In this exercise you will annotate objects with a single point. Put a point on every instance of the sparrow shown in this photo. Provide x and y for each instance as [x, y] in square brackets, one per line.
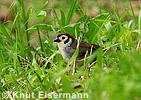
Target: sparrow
[68, 44]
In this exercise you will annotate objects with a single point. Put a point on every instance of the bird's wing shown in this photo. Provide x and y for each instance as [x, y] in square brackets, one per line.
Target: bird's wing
[88, 46]
[84, 47]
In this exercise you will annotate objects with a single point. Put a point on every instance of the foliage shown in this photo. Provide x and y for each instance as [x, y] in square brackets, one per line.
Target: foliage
[115, 76]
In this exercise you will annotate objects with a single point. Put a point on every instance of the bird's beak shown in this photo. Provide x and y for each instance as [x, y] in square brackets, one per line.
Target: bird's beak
[57, 40]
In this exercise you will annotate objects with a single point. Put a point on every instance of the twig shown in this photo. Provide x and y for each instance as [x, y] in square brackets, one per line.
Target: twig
[85, 57]
[53, 29]
[138, 45]
[91, 50]
[89, 66]
[73, 67]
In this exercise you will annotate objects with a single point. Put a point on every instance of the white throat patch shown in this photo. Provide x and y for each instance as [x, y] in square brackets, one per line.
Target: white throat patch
[62, 47]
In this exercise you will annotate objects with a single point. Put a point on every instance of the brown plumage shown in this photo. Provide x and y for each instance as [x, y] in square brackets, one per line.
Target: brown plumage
[67, 45]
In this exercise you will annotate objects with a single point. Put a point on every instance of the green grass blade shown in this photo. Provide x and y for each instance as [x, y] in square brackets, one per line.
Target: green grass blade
[52, 15]
[135, 18]
[71, 12]
[6, 34]
[74, 55]
[44, 5]
[41, 27]
[37, 69]
[62, 18]
[40, 41]
[24, 20]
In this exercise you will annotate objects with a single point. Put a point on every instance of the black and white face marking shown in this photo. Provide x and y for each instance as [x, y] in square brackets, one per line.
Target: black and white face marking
[63, 38]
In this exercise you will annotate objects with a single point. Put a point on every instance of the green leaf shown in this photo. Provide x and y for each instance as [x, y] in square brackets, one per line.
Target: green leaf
[90, 59]
[62, 18]
[40, 41]
[9, 78]
[1, 42]
[42, 15]
[4, 33]
[71, 12]
[71, 29]
[42, 27]
[58, 20]
[135, 18]
[104, 9]
[100, 58]
[66, 84]
[29, 49]
[95, 26]
[37, 69]
[60, 73]
[44, 5]
[52, 15]
[74, 56]
[28, 13]
[24, 18]
[110, 32]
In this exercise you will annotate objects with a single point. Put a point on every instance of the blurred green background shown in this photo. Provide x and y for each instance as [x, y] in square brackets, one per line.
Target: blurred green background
[92, 7]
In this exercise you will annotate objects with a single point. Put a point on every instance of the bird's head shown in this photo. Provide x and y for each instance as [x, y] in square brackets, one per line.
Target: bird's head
[64, 39]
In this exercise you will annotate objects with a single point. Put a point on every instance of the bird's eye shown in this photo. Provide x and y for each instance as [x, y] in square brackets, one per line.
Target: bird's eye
[63, 37]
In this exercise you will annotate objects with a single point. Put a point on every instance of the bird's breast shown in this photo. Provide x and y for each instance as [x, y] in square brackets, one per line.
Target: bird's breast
[66, 52]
